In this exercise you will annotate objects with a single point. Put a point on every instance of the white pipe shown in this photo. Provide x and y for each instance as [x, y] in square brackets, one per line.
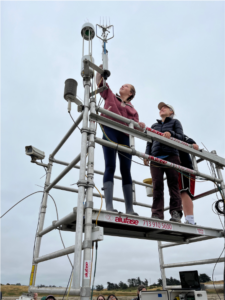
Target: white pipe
[194, 263]
[41, 224]
[54, 291]
[63, 173]
[81, 191]
[77, 122]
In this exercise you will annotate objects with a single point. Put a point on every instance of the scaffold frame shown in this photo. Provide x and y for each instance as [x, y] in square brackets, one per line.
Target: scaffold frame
[82, 218]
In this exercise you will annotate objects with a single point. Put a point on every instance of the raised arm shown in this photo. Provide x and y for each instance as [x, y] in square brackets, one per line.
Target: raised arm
[99, 82]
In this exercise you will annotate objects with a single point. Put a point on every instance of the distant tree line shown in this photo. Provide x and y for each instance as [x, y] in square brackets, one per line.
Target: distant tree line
[172, 281]
[132, 282]
[12, 284]
[42, 285]
[135, 282]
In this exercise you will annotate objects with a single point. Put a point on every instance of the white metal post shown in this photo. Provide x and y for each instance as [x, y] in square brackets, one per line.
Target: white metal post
[81, 189]
[132, 142]
[220, 176]
[194, 162]
[161, 264]
[40, 227]
[88, 210]
[134, 192]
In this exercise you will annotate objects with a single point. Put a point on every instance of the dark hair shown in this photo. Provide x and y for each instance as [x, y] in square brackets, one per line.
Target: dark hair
[133, 92]
[101, 296]
[140, 288]
[112, 295]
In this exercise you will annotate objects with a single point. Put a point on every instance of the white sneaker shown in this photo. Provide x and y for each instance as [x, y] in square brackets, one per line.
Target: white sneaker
[188, 223]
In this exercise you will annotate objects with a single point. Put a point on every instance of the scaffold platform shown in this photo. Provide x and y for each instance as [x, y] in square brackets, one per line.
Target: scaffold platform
[124, 225]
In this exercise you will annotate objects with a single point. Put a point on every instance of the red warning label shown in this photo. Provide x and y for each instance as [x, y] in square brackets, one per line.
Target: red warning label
[87, 269]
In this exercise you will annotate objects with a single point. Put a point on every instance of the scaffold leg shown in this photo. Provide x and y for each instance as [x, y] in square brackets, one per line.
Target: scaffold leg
[41, 218]
[81, 190]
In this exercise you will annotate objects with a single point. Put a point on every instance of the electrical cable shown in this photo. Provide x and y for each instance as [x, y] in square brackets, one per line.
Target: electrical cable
[215, 212]
[39, 219]
[19, 202]
[69, 287]
[60, 230]
[91, 261]
[214, 270]
[74, 121]
[68, 282]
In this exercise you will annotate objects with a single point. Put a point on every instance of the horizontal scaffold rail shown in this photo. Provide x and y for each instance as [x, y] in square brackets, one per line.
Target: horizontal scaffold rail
[149, 136]
[188, 241]
[136, 125]
[123, 225]
[53, 291]
[210, 192]
[194, 263]
[132, 151]
[68, 189]
[60, 162]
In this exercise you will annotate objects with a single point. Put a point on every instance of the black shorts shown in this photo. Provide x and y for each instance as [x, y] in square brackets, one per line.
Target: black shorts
[187, 184]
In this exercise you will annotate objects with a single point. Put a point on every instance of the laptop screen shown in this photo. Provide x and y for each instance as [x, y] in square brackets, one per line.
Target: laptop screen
[190, 279]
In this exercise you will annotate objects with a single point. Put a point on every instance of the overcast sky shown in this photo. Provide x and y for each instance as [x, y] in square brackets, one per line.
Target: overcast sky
[171, 52]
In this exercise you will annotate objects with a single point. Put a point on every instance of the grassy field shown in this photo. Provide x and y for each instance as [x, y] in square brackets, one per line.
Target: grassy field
[16, 291]
[13, 290]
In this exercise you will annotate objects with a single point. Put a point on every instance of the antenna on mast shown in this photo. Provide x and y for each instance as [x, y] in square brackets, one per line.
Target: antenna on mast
[104, 37]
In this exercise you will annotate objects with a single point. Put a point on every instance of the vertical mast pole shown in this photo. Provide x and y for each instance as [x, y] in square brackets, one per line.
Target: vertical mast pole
[81, 189]
[88, 209]
[220, 176]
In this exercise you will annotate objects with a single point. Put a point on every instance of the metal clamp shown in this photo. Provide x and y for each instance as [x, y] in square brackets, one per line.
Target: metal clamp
[80, 108]
[88, 204]
[82, 183]
[87, 244]
[85, 183]
[133, 151]
[89, 131]
[92, 100]
[91, 144]
[85, 292]
[88, 224]
[53, 223]
[222, 233]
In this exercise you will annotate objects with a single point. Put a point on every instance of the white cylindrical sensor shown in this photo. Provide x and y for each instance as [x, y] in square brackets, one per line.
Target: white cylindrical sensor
[88, 31]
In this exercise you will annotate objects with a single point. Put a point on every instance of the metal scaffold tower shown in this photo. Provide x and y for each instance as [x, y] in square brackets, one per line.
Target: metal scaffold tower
[82, 219]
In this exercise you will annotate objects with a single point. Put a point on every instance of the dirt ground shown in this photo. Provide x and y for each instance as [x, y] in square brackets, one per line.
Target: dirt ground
[210, 297]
